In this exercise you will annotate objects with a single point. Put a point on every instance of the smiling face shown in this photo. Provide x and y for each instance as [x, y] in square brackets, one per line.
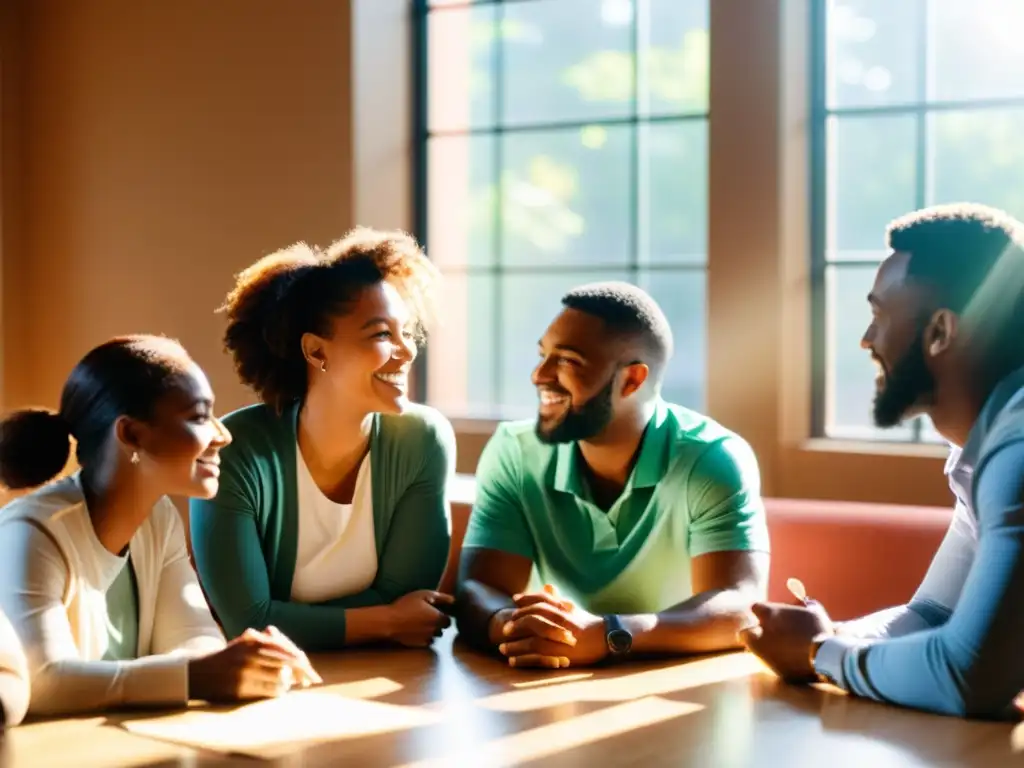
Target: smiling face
[578, 378]
[179, 445]
[367, 359]
[897, 338]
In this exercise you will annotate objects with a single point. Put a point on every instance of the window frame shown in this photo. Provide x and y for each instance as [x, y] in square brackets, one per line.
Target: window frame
[636, 119]
[761, 64]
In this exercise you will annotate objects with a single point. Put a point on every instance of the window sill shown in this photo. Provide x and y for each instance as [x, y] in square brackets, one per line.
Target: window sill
[883, 473]
[828, 445]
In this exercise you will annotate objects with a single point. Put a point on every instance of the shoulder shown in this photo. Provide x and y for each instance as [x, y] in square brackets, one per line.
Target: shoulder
[998, 479]
[698, 443]
[518, 438]
[259, 437]
[514, 447]
[47, 525]
[419, 427]
[53, 505]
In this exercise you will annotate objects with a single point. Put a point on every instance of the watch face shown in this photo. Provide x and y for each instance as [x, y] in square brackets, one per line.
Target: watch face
[619, 641]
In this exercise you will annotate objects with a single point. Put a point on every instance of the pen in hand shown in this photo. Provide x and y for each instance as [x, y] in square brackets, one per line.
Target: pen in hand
[796, 588]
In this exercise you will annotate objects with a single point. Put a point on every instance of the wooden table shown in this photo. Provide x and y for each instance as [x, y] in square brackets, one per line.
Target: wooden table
[452, 707]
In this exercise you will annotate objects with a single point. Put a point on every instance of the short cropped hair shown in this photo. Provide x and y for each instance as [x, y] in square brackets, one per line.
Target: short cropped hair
[628, 311]
[972, 258]
[300, 289]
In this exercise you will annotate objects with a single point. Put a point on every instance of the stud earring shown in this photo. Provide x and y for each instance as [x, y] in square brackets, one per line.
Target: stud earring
[135, 457]
[323, 366]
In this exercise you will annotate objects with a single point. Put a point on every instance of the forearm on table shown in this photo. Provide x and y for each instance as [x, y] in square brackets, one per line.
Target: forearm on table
[478, 605]
[71, 686]
[368, 625]
[706, 622]
[314, 628]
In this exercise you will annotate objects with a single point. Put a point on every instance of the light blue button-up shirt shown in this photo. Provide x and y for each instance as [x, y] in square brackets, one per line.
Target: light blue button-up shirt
[958, 646]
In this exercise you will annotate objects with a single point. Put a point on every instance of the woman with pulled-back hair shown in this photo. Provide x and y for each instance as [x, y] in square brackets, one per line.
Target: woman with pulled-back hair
[332, 517]
[94, 571]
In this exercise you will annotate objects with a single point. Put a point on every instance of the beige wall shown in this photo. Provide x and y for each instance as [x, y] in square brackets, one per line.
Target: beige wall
[151, 150]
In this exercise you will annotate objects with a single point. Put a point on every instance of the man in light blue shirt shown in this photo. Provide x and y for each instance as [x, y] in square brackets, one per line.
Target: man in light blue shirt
[947, 334]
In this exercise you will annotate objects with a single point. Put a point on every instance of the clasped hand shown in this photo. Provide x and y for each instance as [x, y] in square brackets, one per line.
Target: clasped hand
[784, 636]
[544, 630]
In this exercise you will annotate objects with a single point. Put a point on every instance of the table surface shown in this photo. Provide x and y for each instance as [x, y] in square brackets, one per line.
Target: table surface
[450, 706]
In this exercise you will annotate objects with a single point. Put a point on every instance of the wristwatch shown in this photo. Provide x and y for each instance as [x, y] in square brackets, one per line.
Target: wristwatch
[618, 639]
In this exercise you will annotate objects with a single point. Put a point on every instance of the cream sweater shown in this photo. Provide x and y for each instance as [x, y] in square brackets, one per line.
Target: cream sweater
[13, 675]
[54, 574]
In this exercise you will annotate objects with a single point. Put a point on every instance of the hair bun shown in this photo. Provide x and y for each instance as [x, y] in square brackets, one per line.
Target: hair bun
[35, 444]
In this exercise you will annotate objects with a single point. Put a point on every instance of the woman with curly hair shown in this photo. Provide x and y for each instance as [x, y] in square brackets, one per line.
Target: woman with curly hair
[332, 519]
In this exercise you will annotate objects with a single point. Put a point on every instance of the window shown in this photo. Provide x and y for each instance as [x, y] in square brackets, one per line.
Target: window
[916, 102]
[561, 142]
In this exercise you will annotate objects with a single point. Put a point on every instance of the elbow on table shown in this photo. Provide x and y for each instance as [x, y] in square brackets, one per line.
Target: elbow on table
[973, 690]
[979, 703]
[47, 694]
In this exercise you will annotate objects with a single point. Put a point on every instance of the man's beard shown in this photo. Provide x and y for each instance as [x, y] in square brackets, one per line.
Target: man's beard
[583, 422]
[907, 387]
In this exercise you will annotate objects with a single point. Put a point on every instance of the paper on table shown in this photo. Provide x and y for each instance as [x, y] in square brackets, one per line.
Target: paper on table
[274, 727]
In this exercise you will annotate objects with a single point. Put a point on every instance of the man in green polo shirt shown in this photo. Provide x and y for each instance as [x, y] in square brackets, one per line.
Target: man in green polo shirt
[643, 519]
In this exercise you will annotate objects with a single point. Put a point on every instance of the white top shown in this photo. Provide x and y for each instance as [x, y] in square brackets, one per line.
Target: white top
[54, 573]
[337, 552]
[13, 675]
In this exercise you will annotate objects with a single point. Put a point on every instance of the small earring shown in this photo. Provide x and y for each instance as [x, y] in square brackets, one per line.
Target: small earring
[135, 457]
[323, 366]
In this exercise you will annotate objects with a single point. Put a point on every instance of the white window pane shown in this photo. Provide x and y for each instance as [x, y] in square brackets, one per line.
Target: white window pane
[461, 200]
[682, 297]
[674, 186]
[566, 196]
[460, 52]
[872, 169]
[975, 49]
[569, 60]
[873, 52]
[460, 352]
[978, 157]
[674, 56]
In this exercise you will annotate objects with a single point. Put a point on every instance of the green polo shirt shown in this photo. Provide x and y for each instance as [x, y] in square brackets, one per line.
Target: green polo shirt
[695, 489]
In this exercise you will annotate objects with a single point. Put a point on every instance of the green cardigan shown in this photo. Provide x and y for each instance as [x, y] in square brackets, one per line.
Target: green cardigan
[245, 539]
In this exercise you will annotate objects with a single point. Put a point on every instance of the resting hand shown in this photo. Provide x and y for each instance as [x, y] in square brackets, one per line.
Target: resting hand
[784, 636]
[417, 618]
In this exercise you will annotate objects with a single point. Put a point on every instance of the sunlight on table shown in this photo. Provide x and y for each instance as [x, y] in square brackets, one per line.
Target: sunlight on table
[564, 735]
[276, 726]
[625, 687]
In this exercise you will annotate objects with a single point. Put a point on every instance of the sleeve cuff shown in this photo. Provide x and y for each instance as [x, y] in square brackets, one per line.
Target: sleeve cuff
[828, 661]
[158, 680]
